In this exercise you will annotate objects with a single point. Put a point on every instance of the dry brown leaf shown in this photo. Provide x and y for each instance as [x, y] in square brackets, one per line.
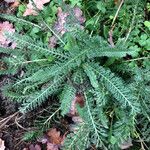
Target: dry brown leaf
[51, 146]
[2, 146]
[55, 136]
[56, 140]
[60, 24]
[126, 144]
[79, 99]
[116, 2]
[43, 140]
[9, 1]
[79, 15]
[6, 27]
[15, 4]
[77, 119]
[31, 10]
[36, 147]
[25, 149]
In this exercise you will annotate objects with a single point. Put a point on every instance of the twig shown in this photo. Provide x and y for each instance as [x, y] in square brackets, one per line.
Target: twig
[95, 23]
[117, 13]
[5, 121]
[110, 39]
[52, 115]
[141, 140]
[19, 143]
[32, 61]
[20, 126]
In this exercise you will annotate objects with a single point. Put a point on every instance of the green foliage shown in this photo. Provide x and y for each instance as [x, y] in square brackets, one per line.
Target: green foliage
[144, 41]
[28, 136]
[37, 84]
[76, 3]
[67, 96]
[115, 89]
[73, 142]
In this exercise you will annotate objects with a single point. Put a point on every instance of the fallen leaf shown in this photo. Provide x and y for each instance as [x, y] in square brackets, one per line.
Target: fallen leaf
[116, 2]
[51, 146]
[9, 1]
[126, 144]
[55, 137]
[77, 119]
[15, 4]
[73, 110]
[78, 14]
[52, 42]
[60, 25]
[6, 27]
[79, 99]
[73, 128]
[2, 146]
[31, 10]
[43, 140]
[36, 147]
[61, 21]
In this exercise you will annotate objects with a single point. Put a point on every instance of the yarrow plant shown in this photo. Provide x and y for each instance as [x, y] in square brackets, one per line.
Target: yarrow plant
[89, 77]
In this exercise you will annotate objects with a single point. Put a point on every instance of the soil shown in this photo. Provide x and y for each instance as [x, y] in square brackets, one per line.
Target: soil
[8, 130]
[13, 125]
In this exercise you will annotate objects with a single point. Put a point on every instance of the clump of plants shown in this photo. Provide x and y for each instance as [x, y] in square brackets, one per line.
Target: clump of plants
[89, 57]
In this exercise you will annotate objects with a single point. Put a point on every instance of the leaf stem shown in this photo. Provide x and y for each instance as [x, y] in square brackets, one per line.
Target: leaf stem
[58, 37]
[136, 59]
[117, 13]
